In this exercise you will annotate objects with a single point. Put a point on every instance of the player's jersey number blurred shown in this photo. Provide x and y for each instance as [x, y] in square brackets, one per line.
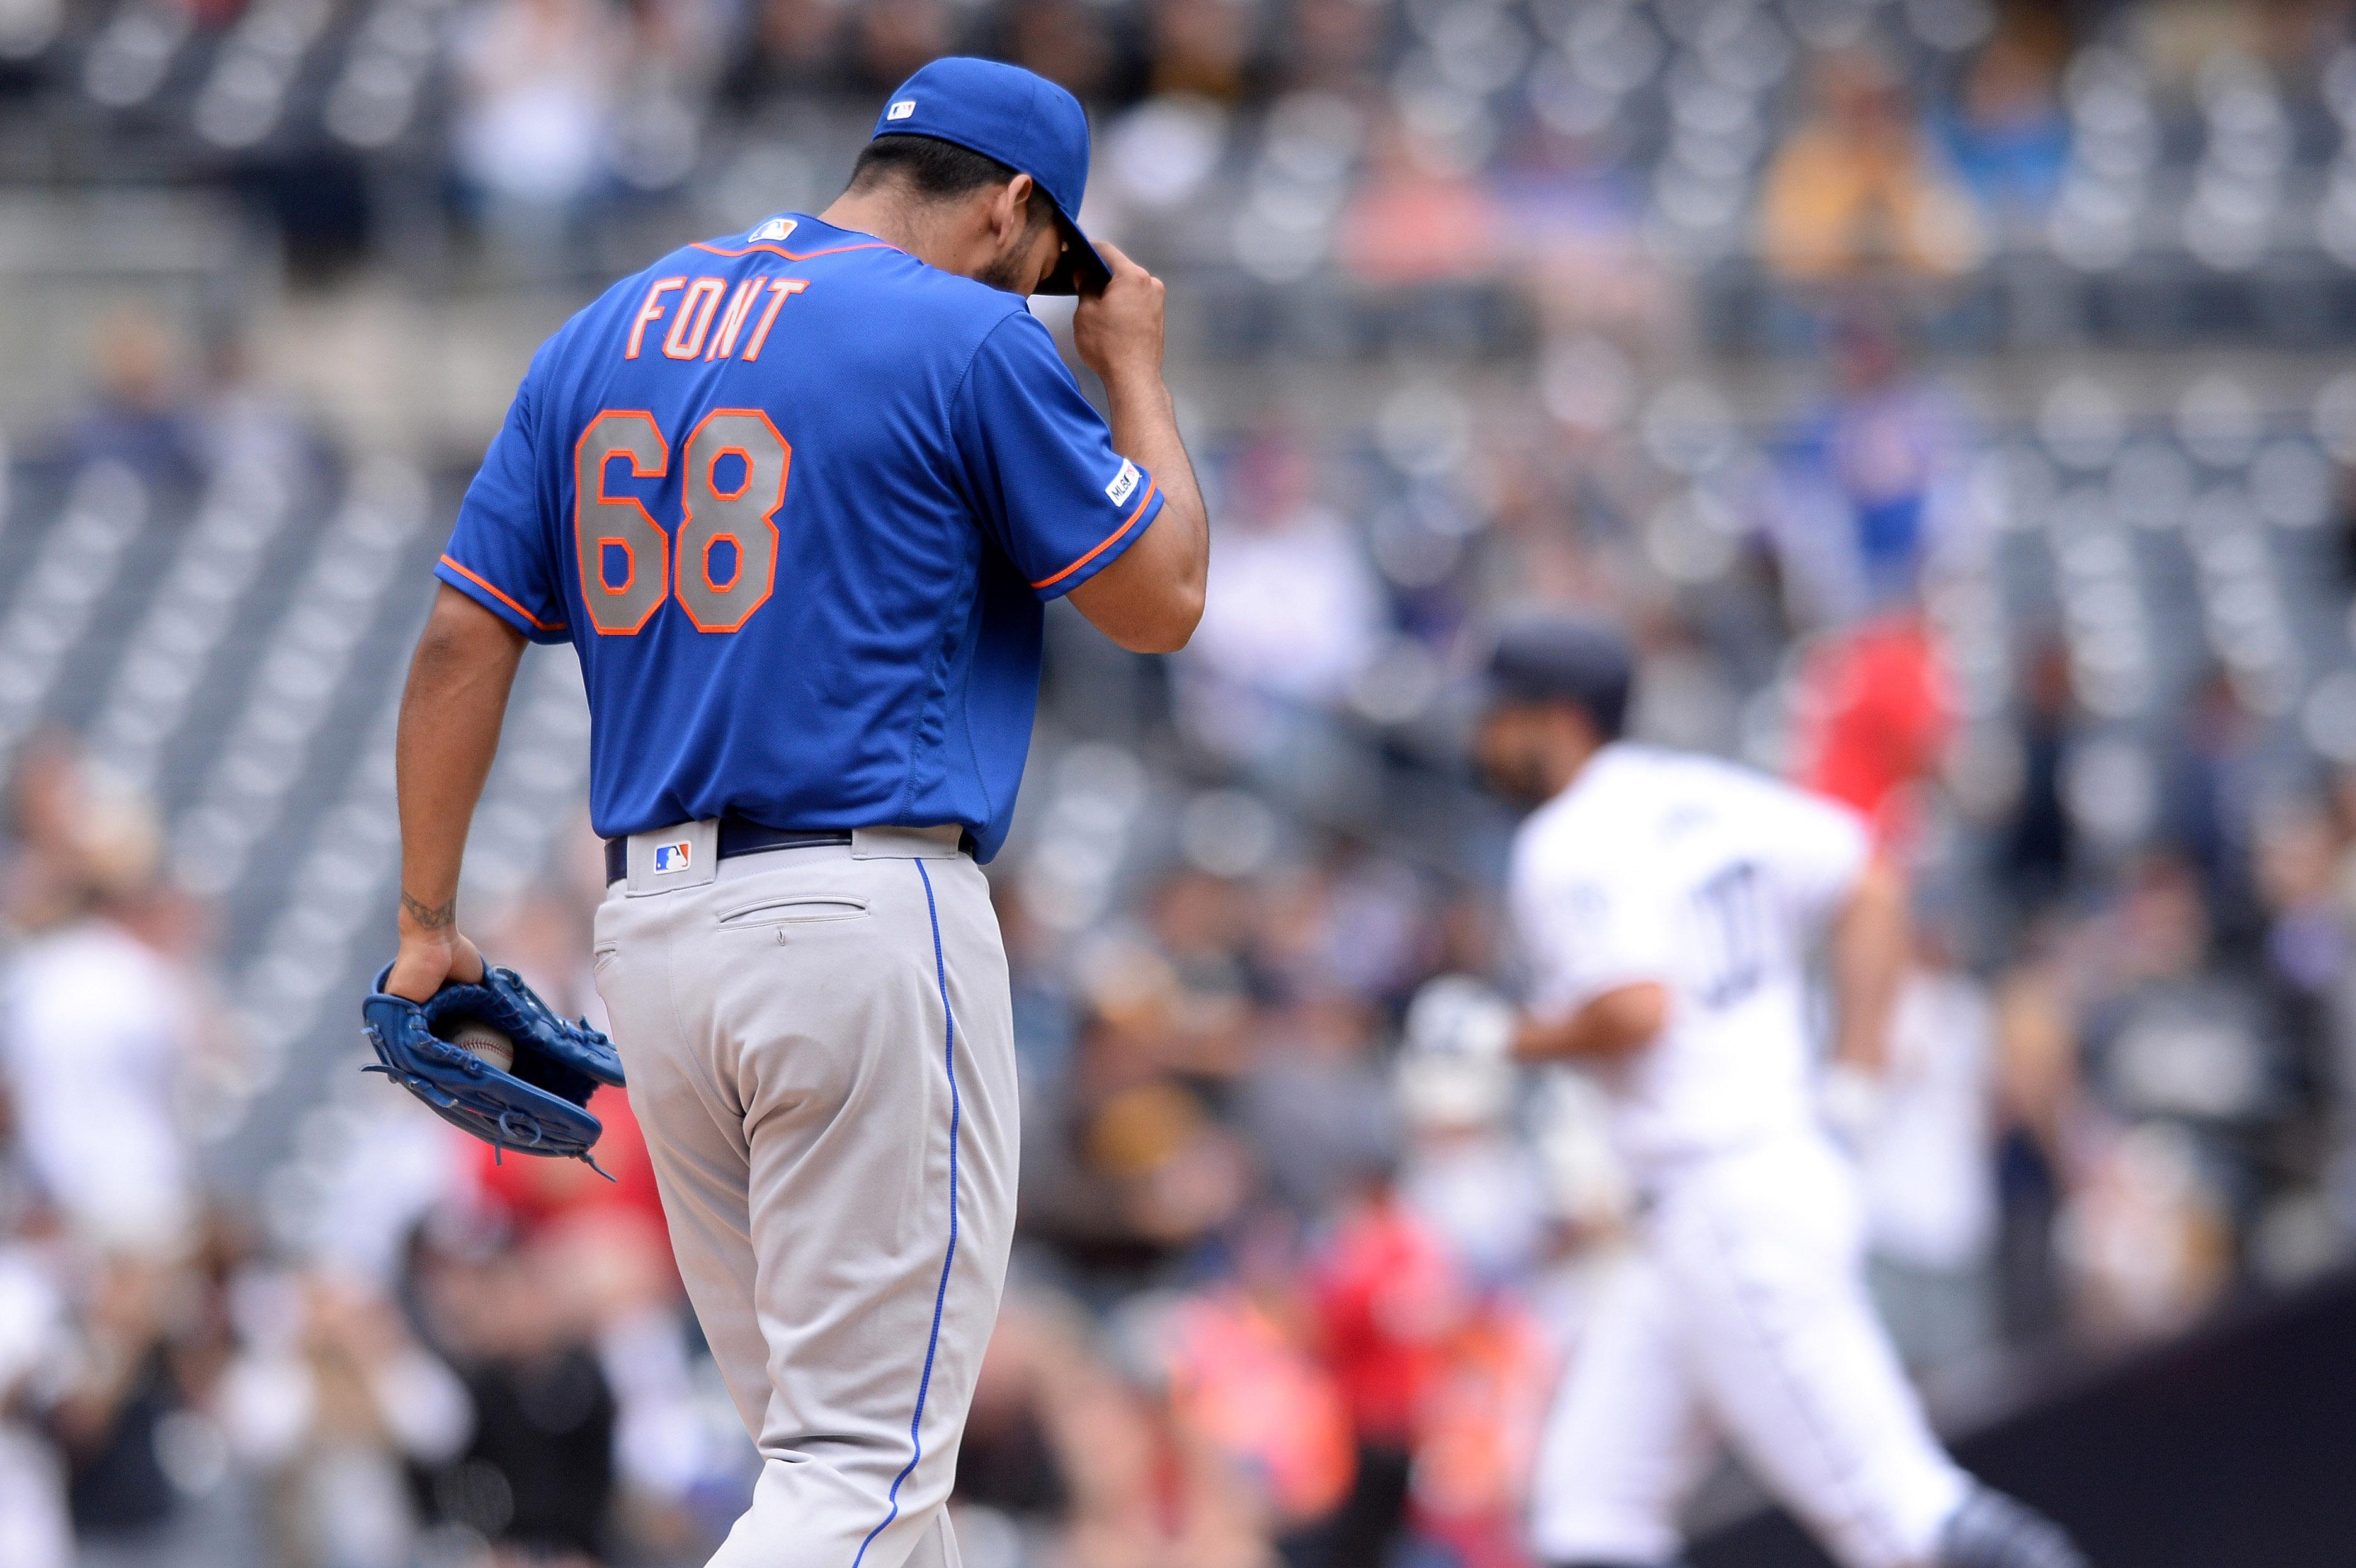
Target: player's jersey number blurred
[1732, 919]
[628, 563]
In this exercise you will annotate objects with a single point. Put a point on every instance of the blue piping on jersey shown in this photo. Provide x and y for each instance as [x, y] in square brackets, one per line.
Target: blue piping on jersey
[940, 1293]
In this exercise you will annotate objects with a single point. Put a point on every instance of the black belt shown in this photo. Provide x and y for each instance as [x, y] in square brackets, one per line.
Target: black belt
[737, 836]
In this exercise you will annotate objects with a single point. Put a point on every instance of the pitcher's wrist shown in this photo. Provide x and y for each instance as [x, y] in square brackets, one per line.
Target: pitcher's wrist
[1139, 386]
[428, 919]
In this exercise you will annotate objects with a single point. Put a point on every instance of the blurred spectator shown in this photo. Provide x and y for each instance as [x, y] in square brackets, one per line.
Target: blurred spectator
[36, 1530]
[1480, 1433]
[792, 50]
[1416, 218]
[537, 85]
[1874, 719]
[1201, 46]
[2215, 772]
[536, 1472]
[1466, 1173]
[1314, 1104]
[1928, 1165]
[106, 1418]
[245, 421]
[2036, 845]
[137, 412]
[1242, 1374]
[1294, 610]
[1388, 1298]
[2006, 135]
[1023, 1434]
[98, 1024]
[681, 1470]
[1855, 191]
[2178, 1035]
[1070, 43]
[1060, 1448]
[892, 37]
[1129, 1171]
[1333, 43]
[1158, 1490]
[2147, 1236]
[2041, 1120]
[329, 1398]
[1867, 492]
[2304, 862]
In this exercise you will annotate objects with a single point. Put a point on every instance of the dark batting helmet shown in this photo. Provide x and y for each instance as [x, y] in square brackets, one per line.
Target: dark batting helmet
[1552, 656]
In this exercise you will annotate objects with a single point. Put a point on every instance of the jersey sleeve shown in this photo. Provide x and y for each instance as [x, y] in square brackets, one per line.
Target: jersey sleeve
[1584, 930]
[500, 553]
[1039, 463]
[1817, 848]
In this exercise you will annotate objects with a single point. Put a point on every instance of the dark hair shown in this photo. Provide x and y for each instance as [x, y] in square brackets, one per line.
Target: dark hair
[939, 170]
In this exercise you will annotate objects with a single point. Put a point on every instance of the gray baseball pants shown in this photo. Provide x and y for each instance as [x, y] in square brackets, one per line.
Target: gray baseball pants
[820, 1053]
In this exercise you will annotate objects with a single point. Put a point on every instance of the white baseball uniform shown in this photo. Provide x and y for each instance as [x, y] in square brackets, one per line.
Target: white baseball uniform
[1743, 1314]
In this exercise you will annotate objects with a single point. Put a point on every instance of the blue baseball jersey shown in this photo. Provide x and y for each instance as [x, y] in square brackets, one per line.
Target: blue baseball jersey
[798, 500]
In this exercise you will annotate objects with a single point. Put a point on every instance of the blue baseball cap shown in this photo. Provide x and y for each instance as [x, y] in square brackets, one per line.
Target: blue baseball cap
[1024, 122]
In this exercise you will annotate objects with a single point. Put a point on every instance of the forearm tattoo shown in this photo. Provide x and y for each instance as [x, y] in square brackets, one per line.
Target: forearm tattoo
[431, 917]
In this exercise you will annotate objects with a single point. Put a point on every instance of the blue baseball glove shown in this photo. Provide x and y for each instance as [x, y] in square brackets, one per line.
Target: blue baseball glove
[538, 1105]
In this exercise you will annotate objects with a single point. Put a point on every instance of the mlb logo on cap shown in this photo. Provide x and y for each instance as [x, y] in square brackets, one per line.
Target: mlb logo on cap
[901, 110]
[670, 858]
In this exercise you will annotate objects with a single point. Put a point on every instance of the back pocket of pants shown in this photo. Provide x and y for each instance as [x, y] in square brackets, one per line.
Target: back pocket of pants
[806, 908]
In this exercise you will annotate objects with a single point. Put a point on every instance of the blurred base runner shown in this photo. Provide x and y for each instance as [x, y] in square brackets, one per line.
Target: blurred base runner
[1670, 910]
[1744, 1316]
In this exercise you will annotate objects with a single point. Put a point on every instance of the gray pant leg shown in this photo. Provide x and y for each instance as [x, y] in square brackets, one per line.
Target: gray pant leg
[836, 1150]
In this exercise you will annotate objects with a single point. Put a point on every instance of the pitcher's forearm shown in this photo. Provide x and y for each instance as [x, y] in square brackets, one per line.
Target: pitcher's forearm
[1144, 420]
[1151, 599]
[450, 715]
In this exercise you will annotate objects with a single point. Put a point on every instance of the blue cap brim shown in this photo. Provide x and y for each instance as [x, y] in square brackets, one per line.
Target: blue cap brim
[1083, 270]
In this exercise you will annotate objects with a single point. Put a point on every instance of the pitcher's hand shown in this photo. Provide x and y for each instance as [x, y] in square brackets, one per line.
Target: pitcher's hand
[1118, 331]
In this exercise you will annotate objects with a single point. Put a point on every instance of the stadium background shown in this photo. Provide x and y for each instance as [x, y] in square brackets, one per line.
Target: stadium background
[1954, 398]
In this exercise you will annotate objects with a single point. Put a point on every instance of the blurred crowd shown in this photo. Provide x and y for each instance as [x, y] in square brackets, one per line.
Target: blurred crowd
[1278, 1298]
[1449, 138]
[1409, 144]
[1406, 141]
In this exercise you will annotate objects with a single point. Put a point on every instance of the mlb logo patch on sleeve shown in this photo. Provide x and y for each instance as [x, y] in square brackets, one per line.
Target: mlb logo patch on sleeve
[1122, 482]
[670, 858]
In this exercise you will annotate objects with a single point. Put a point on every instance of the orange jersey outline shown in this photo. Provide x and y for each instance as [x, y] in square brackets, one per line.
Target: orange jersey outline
[1153, 489]
[496, 591]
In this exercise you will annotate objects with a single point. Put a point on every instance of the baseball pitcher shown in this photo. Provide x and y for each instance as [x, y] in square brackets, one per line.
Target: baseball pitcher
[1667, 907]
[797, 497]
